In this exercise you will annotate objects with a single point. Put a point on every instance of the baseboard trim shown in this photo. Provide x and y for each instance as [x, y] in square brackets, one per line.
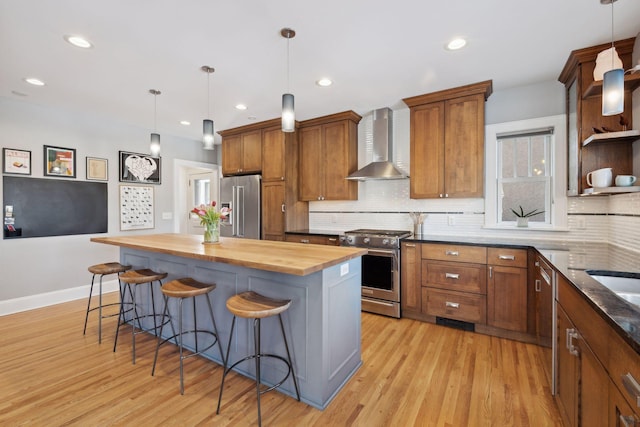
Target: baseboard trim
[32, 302]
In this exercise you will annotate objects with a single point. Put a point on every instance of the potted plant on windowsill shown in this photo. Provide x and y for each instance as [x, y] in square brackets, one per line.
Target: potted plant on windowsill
[522, 217]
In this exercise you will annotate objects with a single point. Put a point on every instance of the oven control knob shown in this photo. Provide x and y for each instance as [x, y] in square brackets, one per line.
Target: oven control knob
[393, 242]
[350, 240]
[366, 240]
[385, 241]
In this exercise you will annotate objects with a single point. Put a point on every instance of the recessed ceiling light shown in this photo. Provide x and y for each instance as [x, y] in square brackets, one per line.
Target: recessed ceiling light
[457, 43]
[78, 41]
[241, 107]
[185, 122]
[324, 82]
[34, 81]
[252, 118]
[16, 93]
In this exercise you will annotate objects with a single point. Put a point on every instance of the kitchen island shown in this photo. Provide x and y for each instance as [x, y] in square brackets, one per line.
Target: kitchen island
[323, 283]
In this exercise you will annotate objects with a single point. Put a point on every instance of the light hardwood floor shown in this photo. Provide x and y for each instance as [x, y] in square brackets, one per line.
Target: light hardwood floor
[413, 373]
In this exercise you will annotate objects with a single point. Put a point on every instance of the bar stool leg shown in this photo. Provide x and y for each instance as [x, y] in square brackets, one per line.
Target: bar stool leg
[86, 317]
[225, 360]
[100, 311]
[256, 343]
[215, 330]
[286, 346]
[122, 312]
[180, 345]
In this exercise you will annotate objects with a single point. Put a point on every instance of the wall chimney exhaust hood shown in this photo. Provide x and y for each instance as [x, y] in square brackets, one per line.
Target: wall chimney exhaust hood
[382, 166]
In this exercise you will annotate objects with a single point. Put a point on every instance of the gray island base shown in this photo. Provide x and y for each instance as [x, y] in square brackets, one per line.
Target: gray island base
[322, 324]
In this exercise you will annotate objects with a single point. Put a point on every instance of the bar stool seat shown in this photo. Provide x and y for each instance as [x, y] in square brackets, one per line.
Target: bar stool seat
[140, 277]
[103, 270]
[181, 289]
[251, 305]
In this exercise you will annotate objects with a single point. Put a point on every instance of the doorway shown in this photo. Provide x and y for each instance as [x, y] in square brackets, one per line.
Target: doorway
[202, 189]
[184, 200]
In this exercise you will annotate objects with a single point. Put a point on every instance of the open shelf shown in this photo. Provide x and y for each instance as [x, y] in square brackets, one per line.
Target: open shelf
[610, 137]
[631, 83]
[609, 190]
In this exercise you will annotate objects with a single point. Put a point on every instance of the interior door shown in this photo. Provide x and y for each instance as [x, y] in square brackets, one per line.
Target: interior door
[203, 188]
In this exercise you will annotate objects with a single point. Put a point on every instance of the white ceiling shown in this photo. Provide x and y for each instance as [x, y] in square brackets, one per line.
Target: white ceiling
[377, 52]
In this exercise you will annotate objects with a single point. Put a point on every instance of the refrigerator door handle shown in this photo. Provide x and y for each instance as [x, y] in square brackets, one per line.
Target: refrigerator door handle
[239, 231]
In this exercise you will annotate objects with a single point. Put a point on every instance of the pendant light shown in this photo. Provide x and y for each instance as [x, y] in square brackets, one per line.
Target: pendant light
[207, 124]
[288, 111]
[154, 147]
[613, 80]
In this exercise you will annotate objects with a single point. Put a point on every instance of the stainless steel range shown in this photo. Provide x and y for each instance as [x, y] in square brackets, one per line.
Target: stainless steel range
[380, 268]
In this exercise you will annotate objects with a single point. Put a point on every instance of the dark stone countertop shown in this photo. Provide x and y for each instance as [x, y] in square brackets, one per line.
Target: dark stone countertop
[572, 259]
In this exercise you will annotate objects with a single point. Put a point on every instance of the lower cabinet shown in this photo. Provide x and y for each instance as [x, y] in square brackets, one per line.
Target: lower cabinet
[507, 298]
[410, 279]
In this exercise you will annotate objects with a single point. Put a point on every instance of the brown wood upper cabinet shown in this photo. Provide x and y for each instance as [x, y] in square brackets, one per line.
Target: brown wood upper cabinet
[241, 152]
[328, 154]
[447, 142]
[584, 111]
[263, 147]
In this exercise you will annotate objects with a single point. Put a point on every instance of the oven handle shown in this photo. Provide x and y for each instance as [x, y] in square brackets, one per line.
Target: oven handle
[382, 252]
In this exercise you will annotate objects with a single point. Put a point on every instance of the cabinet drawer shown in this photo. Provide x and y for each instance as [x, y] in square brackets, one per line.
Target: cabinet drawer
[507, 257]
[459, 253]
[455, 276]
[315, 239]
[455, 305]
[624, 362]
[592, 327]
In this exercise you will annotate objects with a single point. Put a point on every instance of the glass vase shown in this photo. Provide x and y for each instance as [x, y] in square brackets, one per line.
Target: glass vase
[212, 232]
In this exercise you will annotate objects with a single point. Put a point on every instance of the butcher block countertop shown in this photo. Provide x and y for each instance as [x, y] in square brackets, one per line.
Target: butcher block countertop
[282, 257]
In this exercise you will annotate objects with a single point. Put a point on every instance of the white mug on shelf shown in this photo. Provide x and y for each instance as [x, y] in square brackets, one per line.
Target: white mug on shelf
[625, 180]
[600, 178]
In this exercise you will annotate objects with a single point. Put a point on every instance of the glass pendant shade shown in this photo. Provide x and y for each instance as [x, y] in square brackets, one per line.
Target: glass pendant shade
[154, 147]
[207, 132]
[288, 113]
[613, 92]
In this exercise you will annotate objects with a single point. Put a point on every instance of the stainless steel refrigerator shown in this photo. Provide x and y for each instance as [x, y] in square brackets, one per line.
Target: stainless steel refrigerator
[242, 195]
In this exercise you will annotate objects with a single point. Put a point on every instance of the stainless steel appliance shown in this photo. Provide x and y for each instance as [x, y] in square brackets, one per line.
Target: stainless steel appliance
[242, 195]
[380, 268]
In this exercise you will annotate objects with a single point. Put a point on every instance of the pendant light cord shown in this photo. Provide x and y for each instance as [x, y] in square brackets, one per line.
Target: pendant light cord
[612, 46]
[155, 112]
[208, 95]
[288, 66]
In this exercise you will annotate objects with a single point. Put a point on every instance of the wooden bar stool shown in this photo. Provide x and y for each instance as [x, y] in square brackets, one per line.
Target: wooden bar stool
[251, 305]
[103, 270]
[140, 277]
[182, 289]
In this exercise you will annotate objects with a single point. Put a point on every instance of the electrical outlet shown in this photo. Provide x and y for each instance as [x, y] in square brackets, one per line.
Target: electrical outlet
[451, 220]
[344, 269]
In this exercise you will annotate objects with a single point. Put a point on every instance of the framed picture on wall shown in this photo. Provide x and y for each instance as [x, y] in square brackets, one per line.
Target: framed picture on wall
[140, 168]
[97, 169]
[136, 207]
[16, 161]
[59, 162]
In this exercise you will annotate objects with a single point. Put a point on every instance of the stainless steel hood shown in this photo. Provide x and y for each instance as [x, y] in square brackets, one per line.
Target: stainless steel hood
[382, 166]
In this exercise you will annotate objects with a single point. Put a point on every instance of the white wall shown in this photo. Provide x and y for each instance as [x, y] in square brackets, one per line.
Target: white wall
[40, 265]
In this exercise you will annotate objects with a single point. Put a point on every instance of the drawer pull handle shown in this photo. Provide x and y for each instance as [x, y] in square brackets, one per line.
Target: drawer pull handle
[538, 284]
[451, 276]
[632, 387]
[452, 253]
[304, 240]
[332, 239]
[452, 304]
[507, 257]
[410, 245]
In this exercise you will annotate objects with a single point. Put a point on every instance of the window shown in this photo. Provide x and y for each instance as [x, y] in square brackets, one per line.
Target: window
[524, 175]
[526, 166]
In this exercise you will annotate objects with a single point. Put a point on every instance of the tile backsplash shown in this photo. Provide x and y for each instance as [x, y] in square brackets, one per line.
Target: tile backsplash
[386, 205]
